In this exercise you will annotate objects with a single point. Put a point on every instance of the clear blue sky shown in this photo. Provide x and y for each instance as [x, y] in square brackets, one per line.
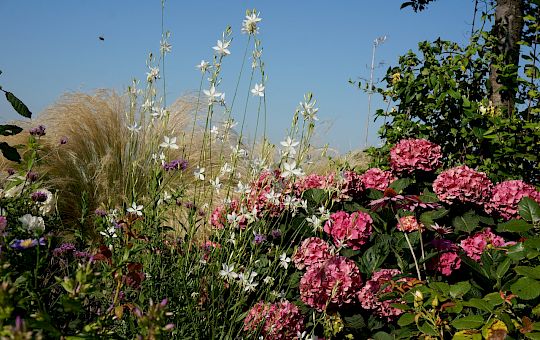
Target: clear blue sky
[50, 47]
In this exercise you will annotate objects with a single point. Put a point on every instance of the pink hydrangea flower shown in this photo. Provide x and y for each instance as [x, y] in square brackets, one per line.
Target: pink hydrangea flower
[352, 230]
[506, 195]
[260, 190]
[446, 263]
[409, 155]
[462, 184]
[280, 320]
[409, 224]
[350, 185]
[378, 179]
[218, 218]
[378, 285]
[475, 245]
[314, 181]
[312, 250]
[330, 284]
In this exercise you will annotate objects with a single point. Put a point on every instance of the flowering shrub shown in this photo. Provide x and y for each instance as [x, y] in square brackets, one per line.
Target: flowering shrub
[475, 245]
[370, 295]
[463, 184]
[409, 155]
[506, 195]
[352, 230]
[313, 250]
[281, 320]
[378, 179]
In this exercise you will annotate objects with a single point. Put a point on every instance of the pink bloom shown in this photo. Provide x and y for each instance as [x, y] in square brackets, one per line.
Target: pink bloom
[330, 284]
[350, 185]
[409, 155]
[280, 320]
[312, 250]
[378, 179]
[352, 230]
[409, 224]
[506, 195]
[379, 284]
[475, 245]
[258, 197]
[218, 217]
[462, 184]
[314, 181]
[448, 259]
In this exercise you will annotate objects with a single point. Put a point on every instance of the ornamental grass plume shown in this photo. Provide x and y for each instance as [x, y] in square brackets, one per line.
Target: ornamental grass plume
[506, 195]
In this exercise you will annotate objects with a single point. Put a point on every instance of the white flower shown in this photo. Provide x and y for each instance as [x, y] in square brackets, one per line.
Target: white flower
[216, 184]
[258, 90]
[289, 146]
[110, 232]
[134, 128]
[158, 112]
[159, 158]
[169, 142]
[199, 174]
[290, 169]
[153, 74]
[232, 239]
[237, 151]
[309, 110]
[135, 209]
[325, 213]
[269, 280]
[249, 25]
[148, 105]
[214, 130]
[233, 219]
[242, 188]
[203, 66]
[247, 280]
[222, 47]
[212, 94]
[315, 222]
[273, 197]
[284, 260]
[34, 224]
[226, 168]
[164, 47]
[228, 272]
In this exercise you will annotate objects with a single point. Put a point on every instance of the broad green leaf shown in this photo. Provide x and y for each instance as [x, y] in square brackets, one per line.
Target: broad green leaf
[10, 152]
[428, 217]
[468, 322]
[531, 272]
[459, 289]
[428, 329]
[529, 209]
[406, 319]
[9, 130]
[467, 222]
[526, 288]
[479, 304]
[503, 267]
[400, 184]
[18, 105]
[355, 321]
[533, 335]
[382, 336]
[468, 334]
[514, 226]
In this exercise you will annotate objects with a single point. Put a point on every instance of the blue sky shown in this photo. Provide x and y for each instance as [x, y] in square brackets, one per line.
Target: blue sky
[52, 47]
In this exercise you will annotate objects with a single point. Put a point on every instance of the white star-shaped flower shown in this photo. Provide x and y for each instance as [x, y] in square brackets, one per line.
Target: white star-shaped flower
[290, 169]
[135, 209]
[169, 142]
[258, 90]
[203, 66]
[212, 94]
[134, 127]
[228, 272]
[249, 25]
[216, 184]
[199, 174]
[222, 47]
[284, 260]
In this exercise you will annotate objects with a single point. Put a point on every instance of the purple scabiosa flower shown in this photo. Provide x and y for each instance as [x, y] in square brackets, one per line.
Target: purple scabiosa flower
[276, 233]
[82, 254]
[63, 140]
[259, 238]
[64, 248]
[39, 196]
[175, 164]
[38, 131]
[10, 171]
[100, 212]
[32, 176]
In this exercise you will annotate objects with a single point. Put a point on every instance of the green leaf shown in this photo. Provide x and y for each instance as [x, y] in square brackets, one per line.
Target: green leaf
[428, 329]
[406, 319]
[428, 217]
[503, 267]
[529, 209]
[468, 322]
[9, 130]
[468, 334]
[355, 321]
[382, 336]
[526, 288]
[516, 226]
[400, 184]
[18, 105]
[479, 304]
[533, 335]
[516, 252]
[533, 273]
[459, 289]
[10, 152]
[467, 222]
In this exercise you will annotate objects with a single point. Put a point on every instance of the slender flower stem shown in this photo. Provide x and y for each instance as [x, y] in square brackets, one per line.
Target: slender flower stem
[414, 257]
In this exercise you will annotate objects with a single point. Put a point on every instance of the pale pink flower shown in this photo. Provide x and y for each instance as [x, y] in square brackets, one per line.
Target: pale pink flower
[409, 155]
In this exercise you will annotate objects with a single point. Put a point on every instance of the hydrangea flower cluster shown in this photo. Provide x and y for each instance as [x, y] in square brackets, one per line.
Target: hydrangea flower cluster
[377, 179]
[506, 195]
[352, 230]
[314, 181]
[475, 245]
[378, 285]
[280, 320]
[330, 284]
[312, 250]
[409, 224]
[462, 184]
[448, 259]
[409, 155]
[351, 185]
[267, 193]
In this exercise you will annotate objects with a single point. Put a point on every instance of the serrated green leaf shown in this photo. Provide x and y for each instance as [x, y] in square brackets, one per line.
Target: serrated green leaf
[9, 130]
[18, 105]
[428, 329]
[467, 222]
[529, 209]
[526, 288]
[468, 322]
[459, 289]
[502, 268]
[516, 226]
[479, 304]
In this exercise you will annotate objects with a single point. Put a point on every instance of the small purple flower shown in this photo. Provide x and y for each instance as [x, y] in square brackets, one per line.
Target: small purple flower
[100, 212]
[63, 140]
[168, 327]
[38, 131]
[39, 196]
[175, 164]
[3, 223]
[190, 205]
[259, 238]
[24, 244]
[82, 254]
[164, 302]
[64, 248]
[32, 176]
[276, 233]
[10, 171]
